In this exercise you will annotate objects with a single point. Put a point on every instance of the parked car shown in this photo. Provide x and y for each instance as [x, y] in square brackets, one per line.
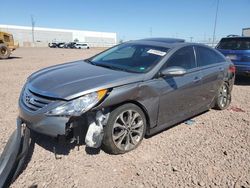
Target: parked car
[81, 46]
[135, 88]
[237, 49]
[52, 45]
[56, 44]
[61, 45]
[70, 45]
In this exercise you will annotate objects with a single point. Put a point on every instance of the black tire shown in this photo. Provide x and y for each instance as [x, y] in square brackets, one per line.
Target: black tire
[131, 135]
[4, 51]
[223, 98]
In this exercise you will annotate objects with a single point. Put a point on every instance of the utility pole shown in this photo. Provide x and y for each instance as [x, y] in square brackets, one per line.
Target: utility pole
[191, 39]
[33, 28]
[215, 21]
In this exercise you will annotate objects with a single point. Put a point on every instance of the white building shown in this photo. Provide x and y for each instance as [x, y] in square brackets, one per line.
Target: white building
[43, 36]
[246, 32]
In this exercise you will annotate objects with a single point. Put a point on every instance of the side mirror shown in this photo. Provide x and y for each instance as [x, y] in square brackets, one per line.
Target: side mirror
[173, 71]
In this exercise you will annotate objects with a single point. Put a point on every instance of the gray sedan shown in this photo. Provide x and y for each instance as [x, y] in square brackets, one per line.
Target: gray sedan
[134, 89]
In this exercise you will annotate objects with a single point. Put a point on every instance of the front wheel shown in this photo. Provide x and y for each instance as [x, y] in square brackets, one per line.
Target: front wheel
[125, 129]
[223, 98]
[4, 51]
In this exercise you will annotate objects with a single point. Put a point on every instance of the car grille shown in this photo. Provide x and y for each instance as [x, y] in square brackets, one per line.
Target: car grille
[35, 101]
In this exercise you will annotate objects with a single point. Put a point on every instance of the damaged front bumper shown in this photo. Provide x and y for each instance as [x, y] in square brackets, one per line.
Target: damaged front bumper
[69, 126]
[42, 123]
[48, 125]
[13, 156]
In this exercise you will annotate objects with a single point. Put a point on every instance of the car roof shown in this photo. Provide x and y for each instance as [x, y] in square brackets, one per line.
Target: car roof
[165, 40]
[235, 37]
[162, 42]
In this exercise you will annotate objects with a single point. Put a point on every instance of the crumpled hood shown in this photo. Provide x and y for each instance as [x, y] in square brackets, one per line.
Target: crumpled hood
[71, 80]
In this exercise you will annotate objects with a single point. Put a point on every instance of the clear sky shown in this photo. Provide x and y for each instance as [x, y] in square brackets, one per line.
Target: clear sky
[132, 19]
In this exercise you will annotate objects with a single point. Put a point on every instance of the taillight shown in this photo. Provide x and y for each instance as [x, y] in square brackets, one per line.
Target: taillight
[232, 69]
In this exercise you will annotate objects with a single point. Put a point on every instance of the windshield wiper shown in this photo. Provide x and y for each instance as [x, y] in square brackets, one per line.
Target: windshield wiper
[89, 61]
[113, 67]
[109, 66]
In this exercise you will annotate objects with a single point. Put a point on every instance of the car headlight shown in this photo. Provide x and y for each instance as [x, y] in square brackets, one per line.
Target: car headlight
[80, 105]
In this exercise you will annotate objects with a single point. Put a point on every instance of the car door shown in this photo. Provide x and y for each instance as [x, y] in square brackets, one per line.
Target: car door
[180, 96]
[212, 66]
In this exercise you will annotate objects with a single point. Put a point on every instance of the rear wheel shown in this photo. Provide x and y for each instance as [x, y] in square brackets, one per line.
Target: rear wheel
[4, 51]
[125, 129]
[223, 99]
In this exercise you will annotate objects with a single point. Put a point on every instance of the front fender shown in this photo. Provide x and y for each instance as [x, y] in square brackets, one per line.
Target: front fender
[140, 93]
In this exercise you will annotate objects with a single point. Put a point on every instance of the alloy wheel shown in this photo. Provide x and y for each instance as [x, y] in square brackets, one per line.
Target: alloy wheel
[128, 130]
[224, 96]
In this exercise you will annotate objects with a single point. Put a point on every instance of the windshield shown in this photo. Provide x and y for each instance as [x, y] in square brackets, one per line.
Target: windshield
[235, 44]
[130, 57]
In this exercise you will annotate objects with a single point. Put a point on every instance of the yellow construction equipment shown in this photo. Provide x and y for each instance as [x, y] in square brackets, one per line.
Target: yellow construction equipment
[7, 45]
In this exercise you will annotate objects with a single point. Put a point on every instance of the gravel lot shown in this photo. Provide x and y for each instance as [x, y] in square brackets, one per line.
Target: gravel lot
[213, 152]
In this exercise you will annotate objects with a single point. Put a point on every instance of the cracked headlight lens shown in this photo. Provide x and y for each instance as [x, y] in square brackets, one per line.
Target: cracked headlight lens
[80, 105]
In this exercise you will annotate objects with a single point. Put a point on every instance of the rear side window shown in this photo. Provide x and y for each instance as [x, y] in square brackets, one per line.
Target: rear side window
[206, 56]
[234, 44]
[182, 58]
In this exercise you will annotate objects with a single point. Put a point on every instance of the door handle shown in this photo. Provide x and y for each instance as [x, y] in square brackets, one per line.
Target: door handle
[197, 79]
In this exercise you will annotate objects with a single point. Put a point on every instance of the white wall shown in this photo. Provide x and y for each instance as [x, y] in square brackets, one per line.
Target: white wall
[96, 39]
[23, 35]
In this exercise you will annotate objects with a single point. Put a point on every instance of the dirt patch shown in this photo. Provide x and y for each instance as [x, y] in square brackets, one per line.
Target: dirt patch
[213, 152]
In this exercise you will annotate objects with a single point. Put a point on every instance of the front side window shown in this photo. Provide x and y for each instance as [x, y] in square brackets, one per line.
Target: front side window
[182, 58]
[207, 56]
[130, 57]
[6, 38]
